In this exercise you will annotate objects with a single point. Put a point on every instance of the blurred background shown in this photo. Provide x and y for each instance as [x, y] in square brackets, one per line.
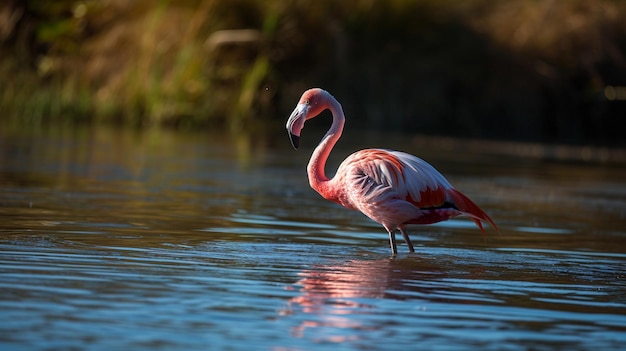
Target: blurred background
[541, 71]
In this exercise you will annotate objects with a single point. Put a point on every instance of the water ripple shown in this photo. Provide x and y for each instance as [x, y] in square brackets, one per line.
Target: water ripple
[177, 244]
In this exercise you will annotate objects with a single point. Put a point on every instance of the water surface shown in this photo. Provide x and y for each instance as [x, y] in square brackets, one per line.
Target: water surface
[178, 241]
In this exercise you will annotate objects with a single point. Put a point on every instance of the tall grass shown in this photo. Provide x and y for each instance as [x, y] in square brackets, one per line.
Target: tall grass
[503, 69]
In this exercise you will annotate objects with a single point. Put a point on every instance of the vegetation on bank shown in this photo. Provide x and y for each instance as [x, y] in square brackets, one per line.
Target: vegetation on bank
[535, 70]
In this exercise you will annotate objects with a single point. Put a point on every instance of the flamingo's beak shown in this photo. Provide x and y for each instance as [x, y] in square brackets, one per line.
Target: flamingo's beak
[295, 123]
[295, 140]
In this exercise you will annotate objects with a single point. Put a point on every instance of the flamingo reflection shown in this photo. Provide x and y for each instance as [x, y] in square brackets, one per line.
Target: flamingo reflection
[333, 295]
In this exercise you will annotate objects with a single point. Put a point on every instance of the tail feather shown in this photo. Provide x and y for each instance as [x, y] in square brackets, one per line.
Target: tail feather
[469, 208]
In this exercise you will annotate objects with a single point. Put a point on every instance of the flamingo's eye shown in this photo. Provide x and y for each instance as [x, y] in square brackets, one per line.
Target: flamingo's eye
[307, 101]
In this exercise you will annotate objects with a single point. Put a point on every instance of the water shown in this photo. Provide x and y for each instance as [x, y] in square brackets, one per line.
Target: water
[169, 241]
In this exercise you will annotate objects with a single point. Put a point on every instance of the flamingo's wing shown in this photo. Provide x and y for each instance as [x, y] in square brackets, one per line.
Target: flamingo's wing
[379, 176]
[436, 192]
[369, 180]
[421, 183]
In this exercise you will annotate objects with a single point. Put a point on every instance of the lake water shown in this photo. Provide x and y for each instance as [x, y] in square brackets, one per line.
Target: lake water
[116, 239]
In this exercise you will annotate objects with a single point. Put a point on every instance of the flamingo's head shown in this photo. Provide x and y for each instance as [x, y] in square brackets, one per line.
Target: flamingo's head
[310, 105]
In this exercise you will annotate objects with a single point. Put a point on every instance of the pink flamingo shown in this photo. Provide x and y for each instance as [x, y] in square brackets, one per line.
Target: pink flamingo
[392, 188]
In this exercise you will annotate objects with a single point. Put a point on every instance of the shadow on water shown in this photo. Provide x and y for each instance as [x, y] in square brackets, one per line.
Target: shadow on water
[165, 240]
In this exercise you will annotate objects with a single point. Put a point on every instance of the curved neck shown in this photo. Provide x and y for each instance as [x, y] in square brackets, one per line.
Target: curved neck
[315, 169]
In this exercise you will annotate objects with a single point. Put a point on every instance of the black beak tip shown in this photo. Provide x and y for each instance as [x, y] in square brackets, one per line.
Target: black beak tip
[295, 140]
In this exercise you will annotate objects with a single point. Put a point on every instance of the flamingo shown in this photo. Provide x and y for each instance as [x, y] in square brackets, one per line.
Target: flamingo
[392, 188]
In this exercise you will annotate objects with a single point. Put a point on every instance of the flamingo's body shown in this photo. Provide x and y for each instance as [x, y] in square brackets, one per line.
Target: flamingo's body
[392, 188]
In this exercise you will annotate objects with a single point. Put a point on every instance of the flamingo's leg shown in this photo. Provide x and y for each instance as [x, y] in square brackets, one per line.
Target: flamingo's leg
[392, 242]
[406, 238]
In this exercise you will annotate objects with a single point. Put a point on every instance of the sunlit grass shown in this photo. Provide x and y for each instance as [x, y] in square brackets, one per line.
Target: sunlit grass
[477, 67]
